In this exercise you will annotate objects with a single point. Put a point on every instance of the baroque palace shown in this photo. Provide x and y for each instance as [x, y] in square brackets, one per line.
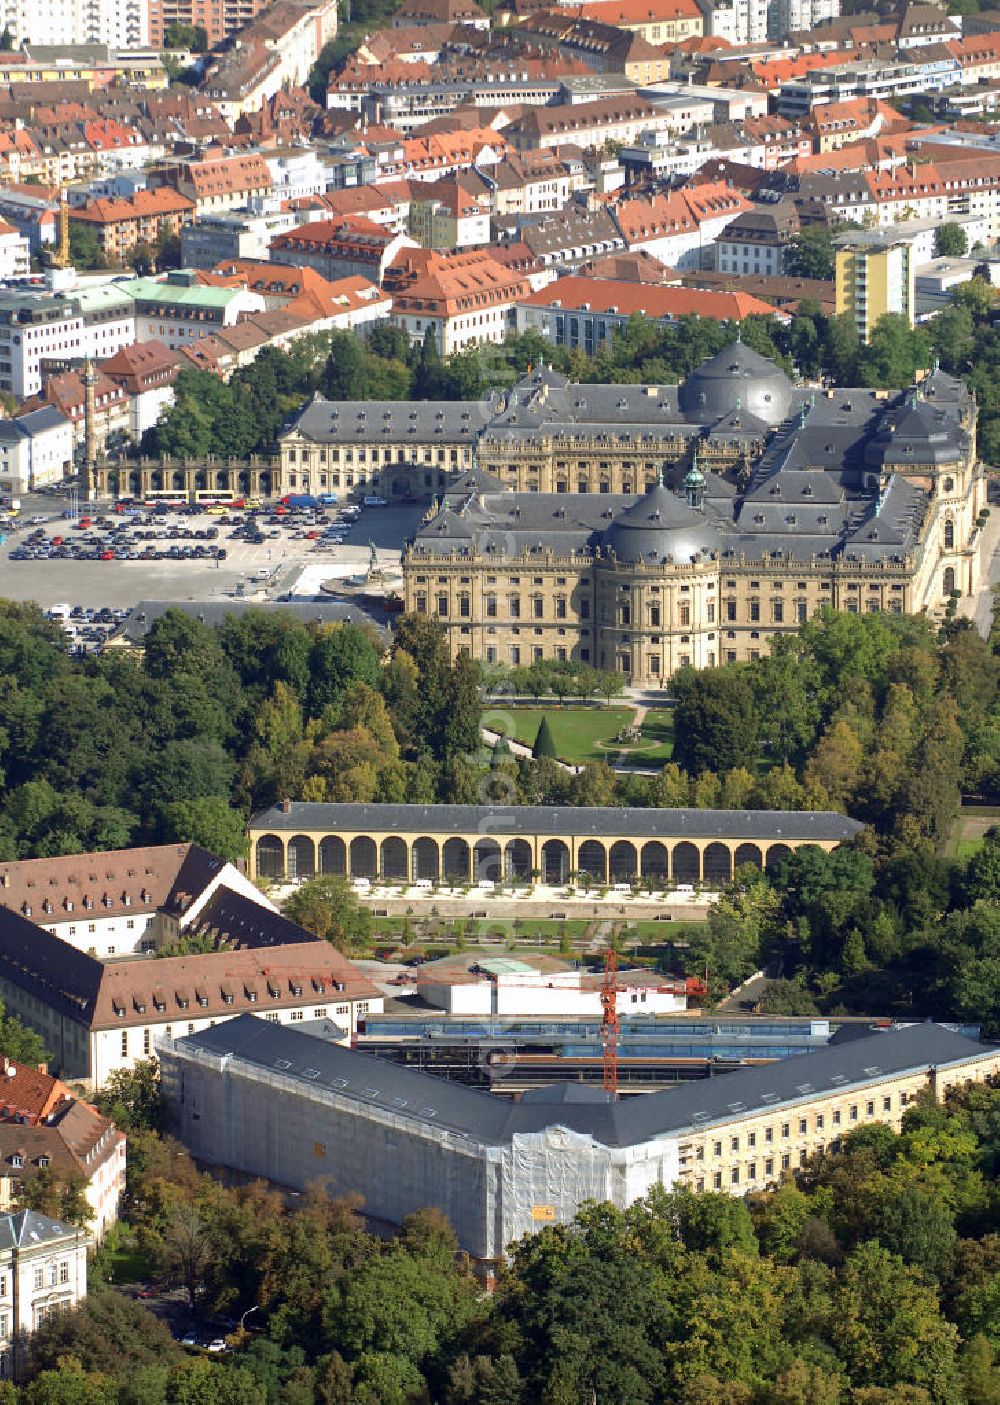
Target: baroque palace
[640, 528]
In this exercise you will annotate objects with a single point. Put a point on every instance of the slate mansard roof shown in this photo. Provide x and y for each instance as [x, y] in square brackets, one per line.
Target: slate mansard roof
[266, 1049]
[800, 826]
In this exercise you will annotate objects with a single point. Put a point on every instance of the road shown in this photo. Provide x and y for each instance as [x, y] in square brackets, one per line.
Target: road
[979, 607]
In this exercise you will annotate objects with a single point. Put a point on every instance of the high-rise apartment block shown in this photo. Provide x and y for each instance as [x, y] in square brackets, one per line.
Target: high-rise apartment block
[874, 275]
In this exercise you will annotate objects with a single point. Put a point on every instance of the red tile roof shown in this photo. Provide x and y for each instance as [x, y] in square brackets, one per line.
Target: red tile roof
[604, 296]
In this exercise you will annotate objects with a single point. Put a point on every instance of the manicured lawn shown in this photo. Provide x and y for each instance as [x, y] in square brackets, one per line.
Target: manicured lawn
[965, 848]
[657, 727]
[577, 731]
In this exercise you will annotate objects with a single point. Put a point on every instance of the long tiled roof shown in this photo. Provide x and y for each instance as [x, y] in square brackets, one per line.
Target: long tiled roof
[421, 1098]
[771, 825]
[135, 880]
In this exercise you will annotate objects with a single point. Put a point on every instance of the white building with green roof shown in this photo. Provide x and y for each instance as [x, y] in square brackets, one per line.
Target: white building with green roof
[180, 309]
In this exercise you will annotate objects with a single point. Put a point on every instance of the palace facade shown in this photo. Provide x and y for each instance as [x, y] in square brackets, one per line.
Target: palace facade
[640, 528]
[644, 528]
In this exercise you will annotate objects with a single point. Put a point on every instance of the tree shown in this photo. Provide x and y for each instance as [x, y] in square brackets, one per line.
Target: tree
[715, 720]
[130, 1097]
[208, 820]
[810, 253]
[544, 743]
[950, 241]
[84, 250]
[887, 1329]
[329, 908]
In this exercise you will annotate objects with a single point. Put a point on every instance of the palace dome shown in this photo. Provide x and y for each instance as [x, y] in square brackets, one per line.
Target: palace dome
[736, 378]
[660, 524]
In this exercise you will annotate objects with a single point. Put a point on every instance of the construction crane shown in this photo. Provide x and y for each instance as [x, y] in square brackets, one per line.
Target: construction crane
[609, 1022]
[60, 256]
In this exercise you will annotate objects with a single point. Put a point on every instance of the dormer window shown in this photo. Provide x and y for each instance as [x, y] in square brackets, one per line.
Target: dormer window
[44, 1161]
[140, 1006]
[296, 988]
[227, 997]
[17, 1160]
[159, 1006]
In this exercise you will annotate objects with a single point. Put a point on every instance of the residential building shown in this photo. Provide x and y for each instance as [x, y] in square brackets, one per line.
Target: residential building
[100, 1015]
[218, 182]
[680, 228]
[120, 23]
[219, 20]
[179, 309]
[143, 218]
[587, 124]
[785, 17]
[588, 312]
[36, 451]
[146, 371]
[465, 299]
[15, 253]
[66, 392]
[45, 1128]
[658, 21]
[420, 12]
[291, 1108]
[43, 1270]
[758, 240]
[452, 213]
[474, 843]
[238, 234]
[736, 21]
[874, 276]
[342, 247]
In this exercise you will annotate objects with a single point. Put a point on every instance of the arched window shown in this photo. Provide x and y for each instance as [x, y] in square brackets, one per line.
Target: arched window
[949, 535]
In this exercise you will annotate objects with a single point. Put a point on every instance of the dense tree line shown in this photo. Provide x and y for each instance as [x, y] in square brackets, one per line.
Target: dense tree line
[871, 1278]
[179, 743]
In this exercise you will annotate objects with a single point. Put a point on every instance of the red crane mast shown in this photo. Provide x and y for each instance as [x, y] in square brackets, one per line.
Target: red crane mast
[609, 1022]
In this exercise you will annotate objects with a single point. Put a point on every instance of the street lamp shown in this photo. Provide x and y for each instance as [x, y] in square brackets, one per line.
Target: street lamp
[255, 1308]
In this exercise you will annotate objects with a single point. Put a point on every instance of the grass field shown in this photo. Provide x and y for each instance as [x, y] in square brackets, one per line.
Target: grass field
[577, 731]
[967, 832]
[658, 728]
[588, 733]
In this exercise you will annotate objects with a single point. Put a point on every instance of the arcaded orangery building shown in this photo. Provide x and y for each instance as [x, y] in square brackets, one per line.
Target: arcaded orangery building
[468, 843]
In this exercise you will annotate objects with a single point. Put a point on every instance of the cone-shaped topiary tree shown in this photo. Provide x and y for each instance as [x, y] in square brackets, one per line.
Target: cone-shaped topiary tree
[544, 741]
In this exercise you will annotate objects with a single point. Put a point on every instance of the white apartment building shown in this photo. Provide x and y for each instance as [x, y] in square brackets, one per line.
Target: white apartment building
[785, 17]
[15, 254]
[123, 24]
[43, 1269]
[36, 450]
[737, 21]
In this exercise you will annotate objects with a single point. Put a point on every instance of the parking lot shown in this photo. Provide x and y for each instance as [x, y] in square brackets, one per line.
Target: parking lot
[153, 558]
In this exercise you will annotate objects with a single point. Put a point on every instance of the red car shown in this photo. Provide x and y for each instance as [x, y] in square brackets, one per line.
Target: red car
[107, 555]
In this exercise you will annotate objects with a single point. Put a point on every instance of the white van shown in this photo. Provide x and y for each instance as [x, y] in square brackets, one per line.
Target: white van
[59, 612]
[423, 883]
[622, 888]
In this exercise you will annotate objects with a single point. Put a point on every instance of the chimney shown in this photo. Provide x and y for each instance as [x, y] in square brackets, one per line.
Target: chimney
[286, 807]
